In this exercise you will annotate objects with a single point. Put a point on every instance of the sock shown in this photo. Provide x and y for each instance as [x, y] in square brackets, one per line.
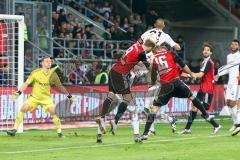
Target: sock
[135, 123]
[106, 105]
[213, 123]
[121, 109]
[166, 117]
[18, 120]
[57, 123]
[152, 128]
[233, 112]
[238, 116]
[191, 118]
[199, 105]
[99, 130]
[150, 120]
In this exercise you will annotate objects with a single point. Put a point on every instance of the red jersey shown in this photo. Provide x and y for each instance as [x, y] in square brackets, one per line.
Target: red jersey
[132, 56]
[207, 81]
[167, 64]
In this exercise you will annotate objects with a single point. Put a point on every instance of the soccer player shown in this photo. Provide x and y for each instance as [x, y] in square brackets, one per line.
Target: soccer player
[161, 37]
[41, 79]
[205, 93]
[166, 64]
[158, 32]
[232, 93]
[119, 83]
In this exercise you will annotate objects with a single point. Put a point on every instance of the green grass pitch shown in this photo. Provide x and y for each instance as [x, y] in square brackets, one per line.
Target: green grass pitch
[200, 145]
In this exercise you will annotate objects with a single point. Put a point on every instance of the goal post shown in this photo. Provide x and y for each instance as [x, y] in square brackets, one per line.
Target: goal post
[12, 68]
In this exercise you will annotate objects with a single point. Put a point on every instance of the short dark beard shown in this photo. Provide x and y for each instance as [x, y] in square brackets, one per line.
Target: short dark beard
[234, 51]
[206, 56]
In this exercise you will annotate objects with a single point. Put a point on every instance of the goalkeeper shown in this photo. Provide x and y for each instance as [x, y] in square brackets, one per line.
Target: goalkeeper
[41, 79]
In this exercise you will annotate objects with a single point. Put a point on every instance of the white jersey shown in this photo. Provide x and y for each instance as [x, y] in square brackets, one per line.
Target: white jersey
[161, 37]
[232, 68]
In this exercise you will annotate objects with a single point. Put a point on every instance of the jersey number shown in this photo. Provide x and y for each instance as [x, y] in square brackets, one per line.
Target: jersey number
[162, 64]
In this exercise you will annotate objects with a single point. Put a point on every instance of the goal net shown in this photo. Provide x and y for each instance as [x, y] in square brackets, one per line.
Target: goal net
[11, 67]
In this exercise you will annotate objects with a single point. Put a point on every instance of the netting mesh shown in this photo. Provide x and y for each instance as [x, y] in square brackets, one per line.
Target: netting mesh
[8, 71]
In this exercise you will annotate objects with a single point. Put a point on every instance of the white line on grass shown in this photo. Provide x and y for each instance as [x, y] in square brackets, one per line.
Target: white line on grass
[108, 145]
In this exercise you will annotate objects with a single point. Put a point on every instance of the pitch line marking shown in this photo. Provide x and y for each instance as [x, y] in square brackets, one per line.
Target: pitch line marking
[108, 145]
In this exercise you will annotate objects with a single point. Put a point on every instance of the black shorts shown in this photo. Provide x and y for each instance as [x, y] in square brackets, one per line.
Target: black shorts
[176, 88]
[118, 83]
[205, 98]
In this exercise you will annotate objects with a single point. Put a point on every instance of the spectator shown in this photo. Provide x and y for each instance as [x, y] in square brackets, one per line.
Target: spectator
[101, 75]
[91, 72]
[125, 23]
[130, 35]
[62, 17]
[77, 75]
[58, 70]
[4, 74]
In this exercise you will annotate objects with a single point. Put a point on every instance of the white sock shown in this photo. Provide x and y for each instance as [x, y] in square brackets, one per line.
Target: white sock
[152, 128]
[233, 112]
[150, 96]
[135, 123]
[238, 116]
[166, 117]
[99, 130]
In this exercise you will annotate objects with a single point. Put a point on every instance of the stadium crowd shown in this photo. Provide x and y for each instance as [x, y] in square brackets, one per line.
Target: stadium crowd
[66, 26]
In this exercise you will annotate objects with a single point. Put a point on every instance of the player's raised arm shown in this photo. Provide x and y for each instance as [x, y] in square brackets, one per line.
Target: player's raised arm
[172, 43]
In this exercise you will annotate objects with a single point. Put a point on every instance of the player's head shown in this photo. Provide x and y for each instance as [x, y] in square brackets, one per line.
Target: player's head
[159, 23]
[160, 48]
[149, 45]
[207, 49]
[46, 62]
[234, 45]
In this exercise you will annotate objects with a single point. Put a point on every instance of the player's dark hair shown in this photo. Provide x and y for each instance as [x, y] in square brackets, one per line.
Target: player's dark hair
[235, 40]
[206, 44]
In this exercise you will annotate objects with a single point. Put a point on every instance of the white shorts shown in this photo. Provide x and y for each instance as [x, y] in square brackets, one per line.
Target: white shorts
[232, 92]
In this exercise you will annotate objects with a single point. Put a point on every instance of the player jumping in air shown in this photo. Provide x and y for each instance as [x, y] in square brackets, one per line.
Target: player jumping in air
[166, 64]
[161, 38]
[205, 93]
[232, 92]
[41, 79]
[119, 83]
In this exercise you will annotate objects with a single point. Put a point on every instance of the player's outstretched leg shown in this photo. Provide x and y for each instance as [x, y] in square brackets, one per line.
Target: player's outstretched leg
[191, 118]
[58, 126]
[56, 122]
[170, 120]
[121, 109]
[99, 135]
[106, 109]
[150, 119]
[152, 130]
[18, 120]
[135, 126]
[237, 129]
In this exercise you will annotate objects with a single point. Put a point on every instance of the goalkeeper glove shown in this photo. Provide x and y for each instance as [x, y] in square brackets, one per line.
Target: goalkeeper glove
[71, 99]
[16, 95]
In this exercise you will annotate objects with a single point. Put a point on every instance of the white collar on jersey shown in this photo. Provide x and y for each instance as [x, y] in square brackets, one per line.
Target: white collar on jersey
[206, 59]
